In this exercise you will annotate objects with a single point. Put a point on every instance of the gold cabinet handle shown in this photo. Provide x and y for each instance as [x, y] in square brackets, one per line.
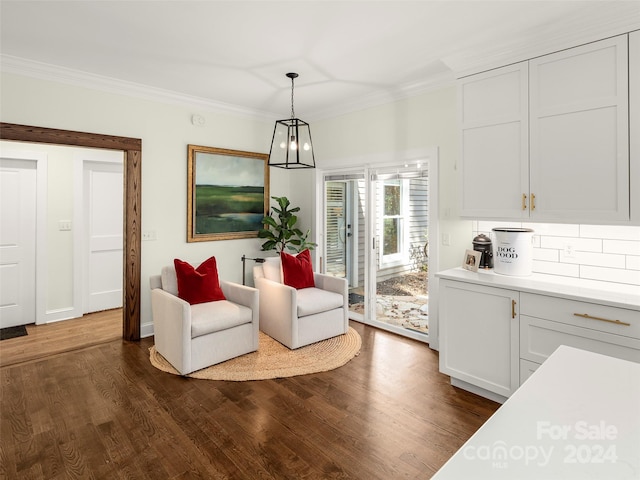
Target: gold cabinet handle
[513, 309]
[533, 201]
[524, 201]
[617, 322]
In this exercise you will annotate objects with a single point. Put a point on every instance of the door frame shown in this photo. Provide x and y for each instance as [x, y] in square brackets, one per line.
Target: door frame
[132, 148]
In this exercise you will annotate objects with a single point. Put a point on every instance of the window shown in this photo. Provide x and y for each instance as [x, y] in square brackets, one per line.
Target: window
[393, 221]
[391, 227]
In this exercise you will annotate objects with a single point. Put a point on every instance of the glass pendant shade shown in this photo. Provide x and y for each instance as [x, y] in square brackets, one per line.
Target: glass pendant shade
[291, 145]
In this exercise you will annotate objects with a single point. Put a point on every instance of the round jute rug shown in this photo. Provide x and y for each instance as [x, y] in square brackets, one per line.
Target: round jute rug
[274, 360]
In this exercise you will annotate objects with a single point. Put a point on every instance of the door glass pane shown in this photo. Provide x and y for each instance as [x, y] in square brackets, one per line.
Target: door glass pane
[392, 198]
[401, 266]
[335, 229]
[345, 237]
[391, 232]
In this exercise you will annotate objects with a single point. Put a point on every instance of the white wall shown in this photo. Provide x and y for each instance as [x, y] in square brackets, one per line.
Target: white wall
[165, 130]
[59, 243]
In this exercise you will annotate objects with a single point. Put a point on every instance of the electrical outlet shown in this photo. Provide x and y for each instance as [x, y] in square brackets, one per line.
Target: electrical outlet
[149, 235]
[569, 250]
[446, 239]
[536, 241]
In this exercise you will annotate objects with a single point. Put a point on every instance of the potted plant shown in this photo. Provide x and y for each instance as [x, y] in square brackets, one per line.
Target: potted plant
[280, 229]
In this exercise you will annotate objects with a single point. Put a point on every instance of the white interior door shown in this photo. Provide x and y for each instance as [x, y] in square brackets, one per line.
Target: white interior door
[103, 220]
[17, 242]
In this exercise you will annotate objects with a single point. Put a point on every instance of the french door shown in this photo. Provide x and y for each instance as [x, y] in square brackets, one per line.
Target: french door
[345, 198]
[376, 226]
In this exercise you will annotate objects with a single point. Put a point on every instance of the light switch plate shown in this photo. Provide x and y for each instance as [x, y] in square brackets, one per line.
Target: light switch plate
[149, 235]
[64, 225]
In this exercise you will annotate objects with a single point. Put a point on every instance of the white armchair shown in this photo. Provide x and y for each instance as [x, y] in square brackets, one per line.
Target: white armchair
[192, 337]
[297, 318]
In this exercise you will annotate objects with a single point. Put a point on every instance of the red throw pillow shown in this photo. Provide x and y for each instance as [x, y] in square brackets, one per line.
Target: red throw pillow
[297, 270]
[198, 285]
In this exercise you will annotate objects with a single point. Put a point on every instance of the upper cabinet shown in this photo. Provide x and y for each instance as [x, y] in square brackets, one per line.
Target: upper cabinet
[579, 133]
[558, 150]
[495, 148]
[634, 124]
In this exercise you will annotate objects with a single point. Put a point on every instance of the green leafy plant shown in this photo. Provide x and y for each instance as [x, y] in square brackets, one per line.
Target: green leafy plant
[280, 229]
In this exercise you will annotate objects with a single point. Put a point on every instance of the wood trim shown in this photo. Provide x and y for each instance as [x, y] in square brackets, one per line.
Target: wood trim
[26, 133]
[132, 244]
[132, 148]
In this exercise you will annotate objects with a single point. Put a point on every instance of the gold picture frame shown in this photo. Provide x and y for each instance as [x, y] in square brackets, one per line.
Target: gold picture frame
[227, 193]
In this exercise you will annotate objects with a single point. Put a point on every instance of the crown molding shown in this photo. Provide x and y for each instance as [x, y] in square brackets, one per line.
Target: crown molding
[575, 34]
[391, 95]
[45, 71]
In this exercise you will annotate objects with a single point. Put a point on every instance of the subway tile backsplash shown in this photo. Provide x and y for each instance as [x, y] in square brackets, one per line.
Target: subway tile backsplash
[591, 252]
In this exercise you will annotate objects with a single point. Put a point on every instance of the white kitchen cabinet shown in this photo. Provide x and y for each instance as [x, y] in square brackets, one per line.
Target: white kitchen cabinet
[479, 332]
[526, 369]
[634, 124]
[579, 143]
[496, 330]
[495, 145]
[548, 322]
[548, 139]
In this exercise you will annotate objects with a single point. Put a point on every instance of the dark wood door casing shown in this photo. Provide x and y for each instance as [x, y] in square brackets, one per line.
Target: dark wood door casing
[132, 148]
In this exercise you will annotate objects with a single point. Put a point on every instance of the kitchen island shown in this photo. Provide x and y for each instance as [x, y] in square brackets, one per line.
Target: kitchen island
[576, 417]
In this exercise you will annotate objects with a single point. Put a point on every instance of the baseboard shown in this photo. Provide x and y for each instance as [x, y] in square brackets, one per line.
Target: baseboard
[477, 390]
[146, 330]
[60, 314]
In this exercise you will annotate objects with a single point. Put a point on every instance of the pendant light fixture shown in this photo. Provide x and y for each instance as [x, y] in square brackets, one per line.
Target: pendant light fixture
[291, 143]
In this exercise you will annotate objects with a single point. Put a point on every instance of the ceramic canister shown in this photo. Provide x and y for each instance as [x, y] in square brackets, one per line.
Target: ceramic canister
[513, 251]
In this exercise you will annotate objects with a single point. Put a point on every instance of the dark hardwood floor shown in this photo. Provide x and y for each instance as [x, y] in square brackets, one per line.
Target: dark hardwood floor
[105, 412]
[60, 337]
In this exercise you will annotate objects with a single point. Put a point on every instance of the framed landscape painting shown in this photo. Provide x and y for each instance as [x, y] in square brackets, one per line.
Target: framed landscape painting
[228, 193]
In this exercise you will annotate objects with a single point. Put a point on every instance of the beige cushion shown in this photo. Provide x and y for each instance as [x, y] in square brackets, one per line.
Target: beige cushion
[272, 269]
[216, 316]
[314, 300]
[170, 280]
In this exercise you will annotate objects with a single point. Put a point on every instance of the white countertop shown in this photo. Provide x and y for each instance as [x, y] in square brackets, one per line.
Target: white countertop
[605, 293]
[576, 417]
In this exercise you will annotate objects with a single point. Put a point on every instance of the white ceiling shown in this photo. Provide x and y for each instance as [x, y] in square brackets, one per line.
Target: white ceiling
[349, 54]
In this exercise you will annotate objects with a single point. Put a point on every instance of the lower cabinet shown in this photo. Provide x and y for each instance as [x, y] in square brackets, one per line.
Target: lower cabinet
[493, 339]
[479, 336]
[526, 369]
[548, 322]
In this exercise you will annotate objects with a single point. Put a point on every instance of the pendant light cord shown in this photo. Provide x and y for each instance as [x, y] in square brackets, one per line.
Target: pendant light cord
[292, 113]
